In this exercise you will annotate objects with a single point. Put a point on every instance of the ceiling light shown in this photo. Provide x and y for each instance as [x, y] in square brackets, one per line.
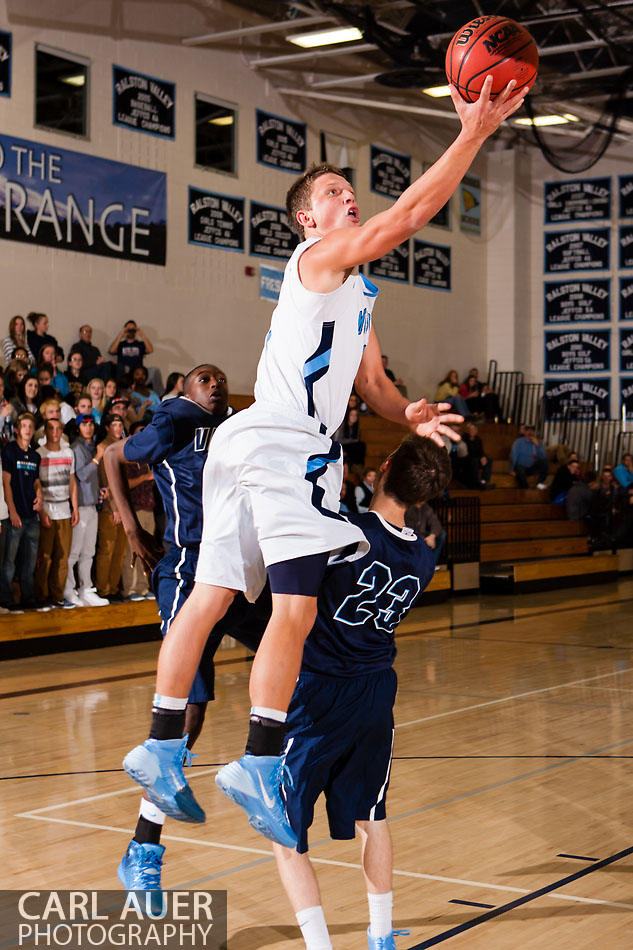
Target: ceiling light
[340, 34]
[78, 80]
[437, 92]
[222, 120]
[548, 120]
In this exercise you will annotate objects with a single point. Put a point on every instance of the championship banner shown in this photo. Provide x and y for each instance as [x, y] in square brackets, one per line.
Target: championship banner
[389, 172]
[216, 220]
[270, 232]
[143, 103]
[625, 239]
[470, 205]
[270, 282]
[579, 397]
[577, 352]
[577, 250]
[626, 298]
[625, 192]
[393, 266]
[6, 47]
[626, 351]
[431, 265]
[576, 301]
[57, 198]
[626, 394]
[281, 143]
[587, 199]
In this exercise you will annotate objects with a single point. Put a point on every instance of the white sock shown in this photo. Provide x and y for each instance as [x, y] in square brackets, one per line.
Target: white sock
[380, 914]
[314, 928]
[169, 702]
[266, 713]
[151, 813]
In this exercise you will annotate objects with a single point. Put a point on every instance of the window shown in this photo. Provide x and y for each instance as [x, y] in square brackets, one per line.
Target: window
[61, 92]
[215, 134]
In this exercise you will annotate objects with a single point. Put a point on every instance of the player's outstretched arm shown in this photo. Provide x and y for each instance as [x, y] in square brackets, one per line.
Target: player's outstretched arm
[346, 247]
[142, 543]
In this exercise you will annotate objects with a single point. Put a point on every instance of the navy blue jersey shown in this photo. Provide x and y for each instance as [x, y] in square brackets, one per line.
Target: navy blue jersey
[24, 469]
[175, 444]
[361, 602]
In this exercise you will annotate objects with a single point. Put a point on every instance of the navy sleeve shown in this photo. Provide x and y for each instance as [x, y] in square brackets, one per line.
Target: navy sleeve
[153, 443]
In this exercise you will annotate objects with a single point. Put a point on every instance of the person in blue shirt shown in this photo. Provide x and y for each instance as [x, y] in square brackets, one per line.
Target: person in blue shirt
[175, 445]
[340, 720]
[528, 457]
[623, 473]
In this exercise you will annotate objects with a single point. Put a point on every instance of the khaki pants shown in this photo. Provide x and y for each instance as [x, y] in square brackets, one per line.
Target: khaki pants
[134, 578]
[111, 544]
[52, 566]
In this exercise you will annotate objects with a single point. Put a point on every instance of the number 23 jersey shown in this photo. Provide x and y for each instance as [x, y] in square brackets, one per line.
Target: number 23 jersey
[361, 602]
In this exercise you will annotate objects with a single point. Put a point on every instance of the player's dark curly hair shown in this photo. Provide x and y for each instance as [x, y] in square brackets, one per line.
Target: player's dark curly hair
[418, 471]
[299, 197]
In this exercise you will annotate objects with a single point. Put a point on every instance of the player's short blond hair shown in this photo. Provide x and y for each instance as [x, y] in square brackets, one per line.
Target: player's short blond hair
[299, 197]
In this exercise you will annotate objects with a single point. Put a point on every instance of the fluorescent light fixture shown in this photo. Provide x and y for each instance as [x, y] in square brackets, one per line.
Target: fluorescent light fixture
[340, 34]
[78, 80]
[548, 120]
[438, 92]
[222, 120]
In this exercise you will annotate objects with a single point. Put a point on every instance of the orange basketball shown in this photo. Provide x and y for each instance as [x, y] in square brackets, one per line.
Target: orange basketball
[491, 45]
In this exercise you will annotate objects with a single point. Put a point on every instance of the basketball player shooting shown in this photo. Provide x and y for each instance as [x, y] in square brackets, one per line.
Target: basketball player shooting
[272, 478]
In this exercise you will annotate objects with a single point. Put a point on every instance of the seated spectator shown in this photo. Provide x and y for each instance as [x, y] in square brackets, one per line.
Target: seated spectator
[174, 386]
[623, 473]
[50, 411]
[424, 521]
[348, 498]
[141, 482]
[348, 436]
[365, 491]
[16, 338]
[130, 347]
[58, 517]
[448, 391]
[471, 394]
[528, 457]
[398, 383]
[39, 335]
[580, 497]
[489, 400]
[111, 538]
[141, 394]
[75, 376]
[564, 478]
[14, 373]
[93, 362]
[96, 391]
[27, 398]
[84, 540]
[7, 418]
[474, 470]
[23, 495]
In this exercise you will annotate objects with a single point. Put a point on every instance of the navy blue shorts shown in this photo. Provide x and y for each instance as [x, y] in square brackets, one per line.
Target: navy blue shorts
[173, 581]
[340, 742]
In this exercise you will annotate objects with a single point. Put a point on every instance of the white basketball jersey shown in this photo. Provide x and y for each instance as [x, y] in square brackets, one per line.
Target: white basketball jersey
[315, 344]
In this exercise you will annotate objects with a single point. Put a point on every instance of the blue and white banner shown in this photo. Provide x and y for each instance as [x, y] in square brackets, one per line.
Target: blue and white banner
[626, 298]
[577, 250]
[389, 172]
[587, 199]
[625, 192]
[577, 300]
[143, 103]
[58, 198]
[625, 240]
[6, 55]
[270, 279]
[577, 352]
[578, 397]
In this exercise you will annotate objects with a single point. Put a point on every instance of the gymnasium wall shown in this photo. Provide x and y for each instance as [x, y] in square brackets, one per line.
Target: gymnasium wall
[201, 305]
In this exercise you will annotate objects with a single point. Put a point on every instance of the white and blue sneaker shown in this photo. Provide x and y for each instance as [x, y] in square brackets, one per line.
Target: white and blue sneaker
[140, 871]
[157, 766]
[384, 943]
[254, 783]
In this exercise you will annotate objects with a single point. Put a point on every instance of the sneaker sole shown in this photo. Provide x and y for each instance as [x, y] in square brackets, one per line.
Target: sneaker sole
[156, 902]
[233, 773]
[141, 766]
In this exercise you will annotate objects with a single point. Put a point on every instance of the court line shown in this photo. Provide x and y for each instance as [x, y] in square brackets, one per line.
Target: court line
[342, 864]
[519, 901]
[509, 699]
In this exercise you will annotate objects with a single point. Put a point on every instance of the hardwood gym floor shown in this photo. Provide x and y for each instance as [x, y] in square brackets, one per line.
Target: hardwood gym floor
[510, 800]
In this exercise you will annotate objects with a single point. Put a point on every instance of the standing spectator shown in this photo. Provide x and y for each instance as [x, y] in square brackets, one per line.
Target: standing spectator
[424, 521]
[93, 362]
[50, 410]
[141, 393]
[82, 408]
[75, 376]
[130, 347]
[111, 539]
[59, 516]
[623, 473]
[47, 358]
[528, 457]
[27, 397]
[174, 386]
[23, 495]
[4, 530]
[564, 478]
[84, 540]
[39, 335]
[15, 372]
[96, 391]
[475, 468]
[365, 491]
[448, 391]
[16, 338]
[140, 480]
[7, 418]
[110, 390]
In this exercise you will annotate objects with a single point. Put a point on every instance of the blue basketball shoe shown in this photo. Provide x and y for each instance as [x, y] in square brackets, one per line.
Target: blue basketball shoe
[254, 783]
[140, 871]
[384, 943]
[157, 766]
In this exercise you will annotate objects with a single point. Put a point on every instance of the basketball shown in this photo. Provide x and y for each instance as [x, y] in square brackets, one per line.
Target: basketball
[491, 45]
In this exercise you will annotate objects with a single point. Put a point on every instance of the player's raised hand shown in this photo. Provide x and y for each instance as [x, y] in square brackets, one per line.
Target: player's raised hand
[433, 420]
[484, 116]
